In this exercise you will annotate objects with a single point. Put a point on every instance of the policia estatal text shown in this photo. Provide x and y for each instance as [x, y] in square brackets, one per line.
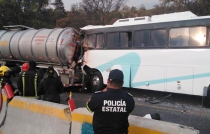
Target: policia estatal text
[111, 107]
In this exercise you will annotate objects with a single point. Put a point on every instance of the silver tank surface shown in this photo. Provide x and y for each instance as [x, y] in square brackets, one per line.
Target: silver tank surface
[54, 46]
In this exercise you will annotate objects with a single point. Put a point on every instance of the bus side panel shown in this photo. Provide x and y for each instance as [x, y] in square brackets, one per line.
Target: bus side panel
[148, 77]
[179, 80]
[127, 73]
[201, 79]
[125, 69]
[105, 69]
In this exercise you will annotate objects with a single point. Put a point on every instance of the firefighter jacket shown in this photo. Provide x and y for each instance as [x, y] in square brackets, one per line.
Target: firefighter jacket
[50, 88]
[111, 110]
[4, 80]
[28, 83]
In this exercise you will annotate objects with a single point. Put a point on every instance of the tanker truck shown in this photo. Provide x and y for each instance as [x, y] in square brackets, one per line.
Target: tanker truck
[47, 47]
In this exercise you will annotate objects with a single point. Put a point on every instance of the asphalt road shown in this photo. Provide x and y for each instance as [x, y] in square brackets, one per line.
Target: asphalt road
[180, 109]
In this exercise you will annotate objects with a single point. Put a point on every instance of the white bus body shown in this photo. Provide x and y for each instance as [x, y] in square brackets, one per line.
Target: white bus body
[179, 65]
[161, 70]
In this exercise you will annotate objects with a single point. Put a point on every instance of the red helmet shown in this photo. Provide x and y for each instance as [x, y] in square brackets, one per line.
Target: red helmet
[25, 67]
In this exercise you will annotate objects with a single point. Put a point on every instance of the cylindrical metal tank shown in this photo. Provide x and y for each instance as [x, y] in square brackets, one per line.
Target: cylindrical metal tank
[54, 46]
[1, 43]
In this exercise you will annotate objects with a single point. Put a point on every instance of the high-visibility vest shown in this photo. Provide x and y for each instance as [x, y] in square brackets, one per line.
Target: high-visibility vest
[35, 85]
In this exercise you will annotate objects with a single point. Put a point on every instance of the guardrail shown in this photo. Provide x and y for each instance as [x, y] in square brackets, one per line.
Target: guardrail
[31, 116]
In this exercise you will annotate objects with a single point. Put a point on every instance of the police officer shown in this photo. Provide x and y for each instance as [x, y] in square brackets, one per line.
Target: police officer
[50, 87]
[111, 107]
[28, 81]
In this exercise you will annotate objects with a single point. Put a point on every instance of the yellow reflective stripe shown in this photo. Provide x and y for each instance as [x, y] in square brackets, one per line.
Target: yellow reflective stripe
[15, 91]
[35, 84]
[88, 107]
[23, 81]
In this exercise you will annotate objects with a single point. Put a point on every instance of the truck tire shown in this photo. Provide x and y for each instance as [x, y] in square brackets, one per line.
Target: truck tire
[97, 81]
[206, 99]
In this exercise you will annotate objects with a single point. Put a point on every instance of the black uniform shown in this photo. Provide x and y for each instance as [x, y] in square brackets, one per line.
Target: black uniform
[50, 88]
[111, 110]
[28, 83]
[4, 80]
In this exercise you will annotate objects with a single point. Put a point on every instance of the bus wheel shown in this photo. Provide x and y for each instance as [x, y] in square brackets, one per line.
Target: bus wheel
[97, 81]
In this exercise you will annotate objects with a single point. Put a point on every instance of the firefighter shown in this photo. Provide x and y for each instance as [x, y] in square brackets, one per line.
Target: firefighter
[111, 106]
[28, 81]
[50, 87]
[5, 74]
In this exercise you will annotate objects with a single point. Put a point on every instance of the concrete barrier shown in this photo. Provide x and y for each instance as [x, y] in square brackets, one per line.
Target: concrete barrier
[82, 119]
[31, 116]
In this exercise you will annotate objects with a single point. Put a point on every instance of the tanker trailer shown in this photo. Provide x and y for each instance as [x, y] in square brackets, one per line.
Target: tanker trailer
[56, 47]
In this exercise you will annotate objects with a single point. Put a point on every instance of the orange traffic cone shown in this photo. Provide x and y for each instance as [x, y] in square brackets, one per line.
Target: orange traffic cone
[71, 103]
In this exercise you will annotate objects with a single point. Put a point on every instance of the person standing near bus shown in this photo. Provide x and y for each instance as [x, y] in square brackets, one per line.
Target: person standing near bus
[111, 107]
[28, 81]
[50, 87]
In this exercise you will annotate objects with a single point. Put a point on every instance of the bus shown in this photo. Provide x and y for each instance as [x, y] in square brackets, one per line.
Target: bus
[167, 52]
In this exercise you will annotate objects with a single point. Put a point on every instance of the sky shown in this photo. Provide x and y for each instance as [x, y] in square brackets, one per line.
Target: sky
[136, 3]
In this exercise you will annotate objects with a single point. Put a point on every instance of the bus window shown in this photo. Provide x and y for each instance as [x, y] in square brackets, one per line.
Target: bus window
[179, 37]
[197, 36]
[125, 39]
[194, 36]
[208, 43]
[141, 38]
[158, 38]
[100, 41]
[112, 40]
[89, 41]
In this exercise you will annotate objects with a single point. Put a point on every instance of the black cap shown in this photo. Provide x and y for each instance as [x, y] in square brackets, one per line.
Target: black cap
[116, 75]
[50, 71]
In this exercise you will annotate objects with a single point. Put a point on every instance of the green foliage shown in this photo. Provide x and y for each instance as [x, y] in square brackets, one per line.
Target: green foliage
[44, 14]
[59, 9]
[32, 13]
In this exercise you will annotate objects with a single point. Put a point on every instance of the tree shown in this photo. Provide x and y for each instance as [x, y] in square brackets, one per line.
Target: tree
[32, 13]
[99, 11]
[59, 9]
[75, 18]
[9, 12]
[199, 7]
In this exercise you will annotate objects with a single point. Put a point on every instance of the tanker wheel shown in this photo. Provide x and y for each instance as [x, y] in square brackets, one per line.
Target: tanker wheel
[97, 81]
